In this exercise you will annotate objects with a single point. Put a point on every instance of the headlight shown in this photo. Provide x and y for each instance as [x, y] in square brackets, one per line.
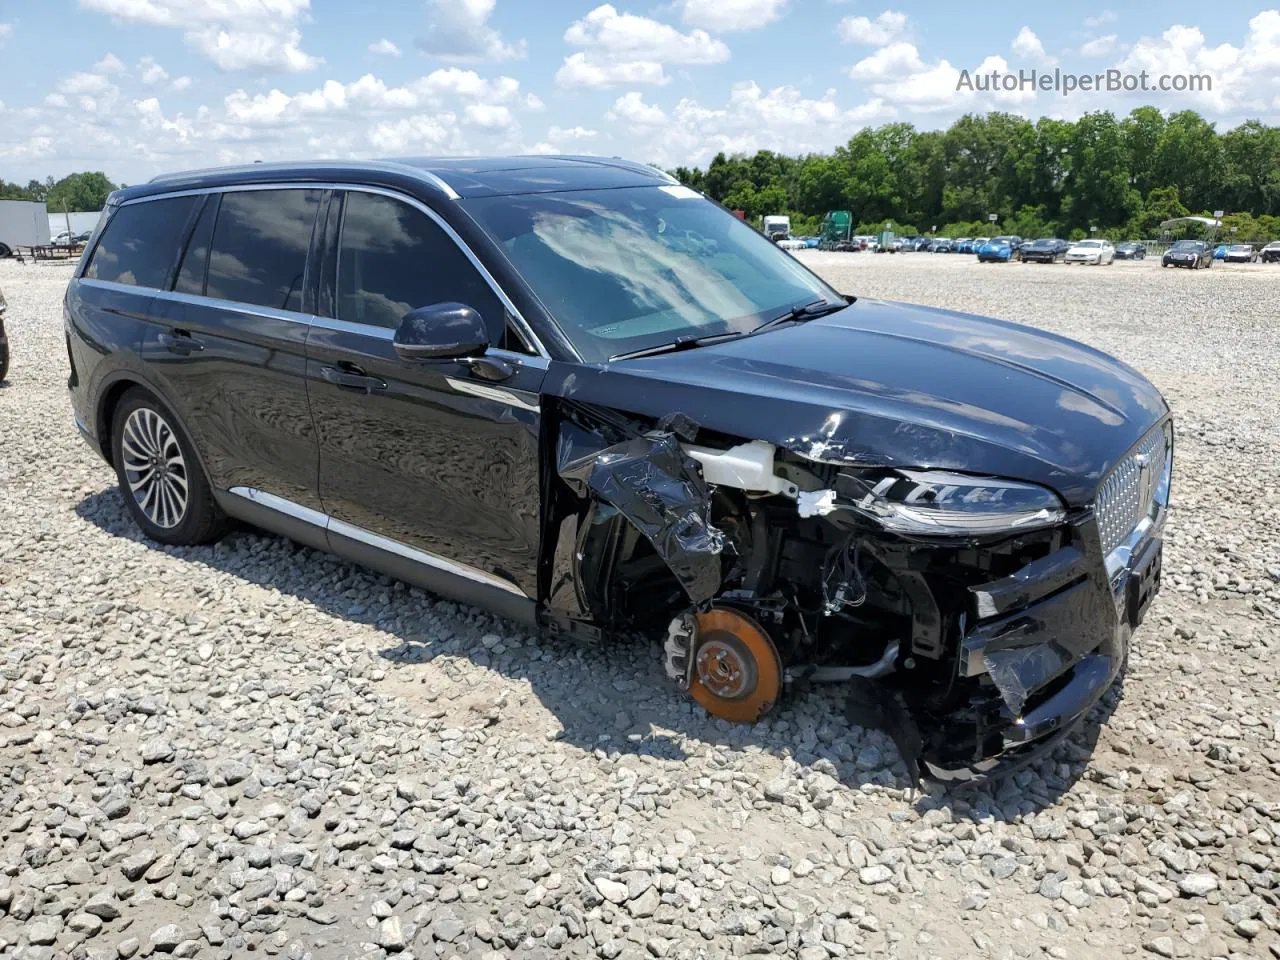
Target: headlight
[934, 502]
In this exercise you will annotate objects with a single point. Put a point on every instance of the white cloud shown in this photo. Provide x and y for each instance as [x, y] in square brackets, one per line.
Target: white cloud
[1028, 46]
[625, 49]
[492, 116]
[1244, 78]
[181, 83]
[85, 83]
[425, 133]
[875, 33]
[754, 118]
[234, 34]
[109, 64]
[572, 133]
[630, 108]
[725, 15]
[56, 100]
[899, 78]
[385, 48]
[579, 71]
[1098, 46]
[458, 30]
[6, 31]
[888, 62]
[1098, 20]
[151, 72]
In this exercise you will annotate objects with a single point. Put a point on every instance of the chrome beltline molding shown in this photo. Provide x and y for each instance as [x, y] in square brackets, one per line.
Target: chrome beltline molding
[343, 529]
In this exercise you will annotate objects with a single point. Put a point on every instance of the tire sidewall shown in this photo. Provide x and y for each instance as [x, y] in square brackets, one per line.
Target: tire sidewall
[188, 530]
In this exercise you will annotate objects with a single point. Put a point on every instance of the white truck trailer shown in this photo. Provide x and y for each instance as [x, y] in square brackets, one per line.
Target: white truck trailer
[23, 223]
[777, 228]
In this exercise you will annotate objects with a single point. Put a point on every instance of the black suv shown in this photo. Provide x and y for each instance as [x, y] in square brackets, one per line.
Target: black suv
[580, 393]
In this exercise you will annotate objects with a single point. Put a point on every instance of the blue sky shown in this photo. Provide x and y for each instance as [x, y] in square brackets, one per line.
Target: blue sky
[136, 87]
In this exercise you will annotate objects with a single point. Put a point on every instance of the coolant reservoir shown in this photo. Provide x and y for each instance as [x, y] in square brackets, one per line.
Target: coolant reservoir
[748, 466]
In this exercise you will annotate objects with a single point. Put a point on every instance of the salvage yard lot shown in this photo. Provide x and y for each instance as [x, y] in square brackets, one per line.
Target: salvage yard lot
[254, 746]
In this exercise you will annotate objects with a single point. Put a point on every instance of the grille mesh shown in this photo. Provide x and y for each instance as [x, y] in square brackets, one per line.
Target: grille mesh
[1124, 498]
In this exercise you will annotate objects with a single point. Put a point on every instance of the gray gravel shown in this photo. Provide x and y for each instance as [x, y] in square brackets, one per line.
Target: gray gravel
[253, 747]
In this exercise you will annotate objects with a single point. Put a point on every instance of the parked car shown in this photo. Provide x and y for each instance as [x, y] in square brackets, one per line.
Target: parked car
[1241, 253]
[4, 340]
[999, 250]
[1091, 251]
[1270, 253]
[1188, 253]
[1131, 250]
[941, 245]
[960, 244]
[444, 370]
[1044, 250]
[1220, 252]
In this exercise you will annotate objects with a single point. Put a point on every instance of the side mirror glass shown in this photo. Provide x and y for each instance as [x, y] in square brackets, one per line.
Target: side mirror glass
[441, 331]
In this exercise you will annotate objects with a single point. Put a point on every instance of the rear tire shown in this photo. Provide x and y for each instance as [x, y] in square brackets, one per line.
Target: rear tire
[160, 476]
[4, 360]
[5, 252]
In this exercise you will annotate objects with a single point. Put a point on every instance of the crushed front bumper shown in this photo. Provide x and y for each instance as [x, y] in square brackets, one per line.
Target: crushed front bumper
[1046, 644]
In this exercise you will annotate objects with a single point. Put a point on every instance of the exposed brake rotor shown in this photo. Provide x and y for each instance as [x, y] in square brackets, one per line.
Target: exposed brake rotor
[737, 673]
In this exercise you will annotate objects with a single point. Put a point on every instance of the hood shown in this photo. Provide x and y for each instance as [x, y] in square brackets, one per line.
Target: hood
[883, 383]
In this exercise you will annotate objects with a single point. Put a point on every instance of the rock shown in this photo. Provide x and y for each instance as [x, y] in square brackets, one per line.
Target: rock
[611, 890]
[876, 873]
[103, 905]
[780, 876]
[127, 948]
[44, 931]
[135, 866]
[446, 927]
[644, 905]
[166, 938]
[391, 935]
[85, 923]
[1197, 884]
[1160, 946]
[157, 750]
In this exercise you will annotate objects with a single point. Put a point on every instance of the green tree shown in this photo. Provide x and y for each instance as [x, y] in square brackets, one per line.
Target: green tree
[80, 192]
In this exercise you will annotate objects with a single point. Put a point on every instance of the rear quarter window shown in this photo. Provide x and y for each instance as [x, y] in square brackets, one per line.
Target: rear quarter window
[141, 242]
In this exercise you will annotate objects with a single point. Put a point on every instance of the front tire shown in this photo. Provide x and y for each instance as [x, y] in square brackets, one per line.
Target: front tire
[160, 476]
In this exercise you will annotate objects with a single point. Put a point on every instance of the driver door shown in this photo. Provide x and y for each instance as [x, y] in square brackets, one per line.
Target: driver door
[426, 466]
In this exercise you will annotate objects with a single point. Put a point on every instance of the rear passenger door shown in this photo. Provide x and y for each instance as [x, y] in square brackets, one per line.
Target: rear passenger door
[227, 343]
[434, 461]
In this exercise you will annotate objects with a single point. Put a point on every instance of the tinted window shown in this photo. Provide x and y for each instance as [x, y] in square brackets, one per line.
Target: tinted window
[394, 258]
[142, 241]
[196, 259]
[260, 247]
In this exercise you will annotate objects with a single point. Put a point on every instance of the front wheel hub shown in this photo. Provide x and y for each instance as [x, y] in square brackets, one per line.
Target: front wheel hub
[737, 673]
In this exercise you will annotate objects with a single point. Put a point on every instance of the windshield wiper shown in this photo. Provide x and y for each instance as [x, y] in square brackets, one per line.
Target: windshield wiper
[677, 345]
[805, 311]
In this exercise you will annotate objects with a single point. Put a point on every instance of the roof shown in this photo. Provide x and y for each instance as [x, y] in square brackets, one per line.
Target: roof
[452, 177]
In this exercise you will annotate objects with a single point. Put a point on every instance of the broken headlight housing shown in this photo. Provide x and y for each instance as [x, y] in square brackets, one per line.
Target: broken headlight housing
[939, 503]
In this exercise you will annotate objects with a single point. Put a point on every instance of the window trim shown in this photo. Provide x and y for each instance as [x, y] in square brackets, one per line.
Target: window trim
[522, 325]
[184, 236]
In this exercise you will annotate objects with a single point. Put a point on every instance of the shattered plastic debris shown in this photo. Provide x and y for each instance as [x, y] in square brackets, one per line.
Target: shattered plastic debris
[1018, 672]
[660, 490]
[817, 503]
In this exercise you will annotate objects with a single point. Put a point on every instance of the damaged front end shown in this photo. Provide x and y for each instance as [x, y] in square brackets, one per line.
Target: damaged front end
[977, 619]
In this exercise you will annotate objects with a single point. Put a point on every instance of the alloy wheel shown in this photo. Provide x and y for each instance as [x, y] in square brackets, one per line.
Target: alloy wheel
[154, 467]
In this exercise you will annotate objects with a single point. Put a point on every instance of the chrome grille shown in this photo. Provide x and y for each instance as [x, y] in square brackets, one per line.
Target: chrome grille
[1127, 493]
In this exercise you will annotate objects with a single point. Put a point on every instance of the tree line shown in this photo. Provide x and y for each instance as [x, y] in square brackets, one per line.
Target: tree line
[79, 192]
[1043, 178]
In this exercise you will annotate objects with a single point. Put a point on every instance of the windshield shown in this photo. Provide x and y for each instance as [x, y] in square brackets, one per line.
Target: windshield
[1186, 245]
[1242, 248]
[627, 269]
[1089, 243]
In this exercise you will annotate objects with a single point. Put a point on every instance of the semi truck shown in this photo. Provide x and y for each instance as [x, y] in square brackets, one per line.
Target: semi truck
[837, 231]
[777, 228]
[23, 223]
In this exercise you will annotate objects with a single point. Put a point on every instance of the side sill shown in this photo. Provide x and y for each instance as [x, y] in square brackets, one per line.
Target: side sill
[258, 513]
[499, 601]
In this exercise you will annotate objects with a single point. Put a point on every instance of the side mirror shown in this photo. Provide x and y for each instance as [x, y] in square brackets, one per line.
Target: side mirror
[441, 331]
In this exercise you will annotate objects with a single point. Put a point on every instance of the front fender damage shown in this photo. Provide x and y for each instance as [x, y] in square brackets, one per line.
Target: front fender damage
[659, 489]
[743, 561]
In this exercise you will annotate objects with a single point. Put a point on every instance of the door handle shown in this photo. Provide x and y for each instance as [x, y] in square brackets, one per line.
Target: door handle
[180, 342]
[351, 377]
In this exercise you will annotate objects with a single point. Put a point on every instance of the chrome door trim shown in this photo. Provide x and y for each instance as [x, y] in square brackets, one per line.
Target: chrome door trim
[414, 202]
[512, 398]
[343, 529]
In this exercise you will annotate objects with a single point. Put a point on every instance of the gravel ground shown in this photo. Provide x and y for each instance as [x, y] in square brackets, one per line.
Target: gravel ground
[255, 748]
